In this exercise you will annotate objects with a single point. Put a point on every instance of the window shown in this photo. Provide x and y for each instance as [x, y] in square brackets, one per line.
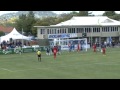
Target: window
[113, 29]
[102, 29]
[50, 31]
[61, 30]
[106, 29]
[93, 29]
[47, 31]
[42, 31]
[58, 31]
[65, 30]
[89, 30]
[82, 29]
[77, 30]
[69, 30]
[117, 28]
[98, 29]
[74, 30]
[55, 31]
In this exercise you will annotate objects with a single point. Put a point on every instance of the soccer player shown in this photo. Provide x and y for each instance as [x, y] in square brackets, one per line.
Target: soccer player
[54, 51]
[48, 51]
[69, 46]
[78, 47]
[73, 47]
[103, 49]
[94, 48]
[20, 49]
[59, 50]
[39, 55]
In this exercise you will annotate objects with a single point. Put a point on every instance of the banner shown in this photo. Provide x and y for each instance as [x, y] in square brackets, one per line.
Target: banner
[53, 36]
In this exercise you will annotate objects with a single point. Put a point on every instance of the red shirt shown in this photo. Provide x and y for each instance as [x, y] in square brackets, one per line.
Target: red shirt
[78, 46]
[69, 45]
[94, 46]
[55, 49]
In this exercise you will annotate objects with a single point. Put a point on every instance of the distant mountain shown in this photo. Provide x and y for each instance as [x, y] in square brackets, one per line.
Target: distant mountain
[38, 14]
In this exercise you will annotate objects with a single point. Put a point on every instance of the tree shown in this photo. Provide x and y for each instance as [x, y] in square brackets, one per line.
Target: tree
[84, 13]
[109, 13]
[21, 22]
[26, 22]
[115, 17]
[2, 33]
[112, 15]
[30, 20]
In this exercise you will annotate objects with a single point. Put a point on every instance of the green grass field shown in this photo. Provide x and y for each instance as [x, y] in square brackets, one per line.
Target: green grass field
[83, 65]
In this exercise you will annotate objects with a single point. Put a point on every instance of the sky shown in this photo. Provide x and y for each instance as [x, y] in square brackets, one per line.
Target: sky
[60, 12]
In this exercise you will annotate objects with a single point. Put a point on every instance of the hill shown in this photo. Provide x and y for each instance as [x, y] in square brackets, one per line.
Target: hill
[38, 14]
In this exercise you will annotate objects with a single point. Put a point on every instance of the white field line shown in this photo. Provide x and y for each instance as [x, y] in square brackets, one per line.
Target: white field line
[7, 69]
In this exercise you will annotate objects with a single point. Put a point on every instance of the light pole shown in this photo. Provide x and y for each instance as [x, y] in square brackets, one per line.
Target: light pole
[100, 33]
[91, 36]
[119, 36]
[0, 39]
[22, 37]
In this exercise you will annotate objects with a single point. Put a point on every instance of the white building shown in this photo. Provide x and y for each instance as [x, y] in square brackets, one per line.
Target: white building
[97, 28]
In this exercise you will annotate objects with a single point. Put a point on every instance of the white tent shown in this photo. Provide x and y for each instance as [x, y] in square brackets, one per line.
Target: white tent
[14, 34]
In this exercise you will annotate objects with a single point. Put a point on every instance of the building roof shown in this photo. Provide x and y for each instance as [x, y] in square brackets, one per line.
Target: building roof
[87, 21]
[6, 29]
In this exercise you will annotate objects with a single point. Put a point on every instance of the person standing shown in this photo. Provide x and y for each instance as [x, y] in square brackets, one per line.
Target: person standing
[48, 51]
[54, 51]
[103, 49]
[20, 49]
[59, 49]
[94, 48]
[69, 47]
[39, 55]
[78, 47]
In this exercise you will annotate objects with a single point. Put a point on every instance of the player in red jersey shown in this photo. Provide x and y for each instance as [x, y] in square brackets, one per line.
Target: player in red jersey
[78, 47]
[94, 48]
[54, 51]
[103, 49]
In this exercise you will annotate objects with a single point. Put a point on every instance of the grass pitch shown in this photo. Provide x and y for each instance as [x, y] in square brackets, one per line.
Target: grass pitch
[83, 65]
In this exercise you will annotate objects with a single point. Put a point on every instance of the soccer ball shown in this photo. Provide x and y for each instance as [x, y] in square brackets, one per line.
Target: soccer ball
[98, 50]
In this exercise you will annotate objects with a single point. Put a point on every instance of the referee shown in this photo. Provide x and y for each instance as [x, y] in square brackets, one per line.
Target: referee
[39, 55]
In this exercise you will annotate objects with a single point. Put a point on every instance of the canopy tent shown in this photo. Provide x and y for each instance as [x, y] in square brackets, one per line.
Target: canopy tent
[14, 34]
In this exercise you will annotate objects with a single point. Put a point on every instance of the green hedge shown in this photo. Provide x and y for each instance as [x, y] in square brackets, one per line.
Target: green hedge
[25, 50]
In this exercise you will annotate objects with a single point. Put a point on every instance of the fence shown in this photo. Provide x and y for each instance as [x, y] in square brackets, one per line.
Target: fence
[24, 50]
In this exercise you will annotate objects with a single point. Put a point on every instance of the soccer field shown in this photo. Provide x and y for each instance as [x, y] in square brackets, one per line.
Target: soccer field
[83, 65]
